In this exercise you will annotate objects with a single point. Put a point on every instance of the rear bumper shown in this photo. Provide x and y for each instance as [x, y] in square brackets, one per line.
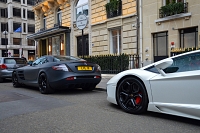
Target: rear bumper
[76, 83]
[6, 73]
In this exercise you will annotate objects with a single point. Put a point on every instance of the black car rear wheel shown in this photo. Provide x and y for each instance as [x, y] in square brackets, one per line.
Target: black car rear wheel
[15, 80]
[89, 88]
[1, 79]
[44, 86]
[132, 96]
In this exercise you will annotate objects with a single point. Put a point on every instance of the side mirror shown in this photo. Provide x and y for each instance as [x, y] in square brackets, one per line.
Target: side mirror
[160, 65]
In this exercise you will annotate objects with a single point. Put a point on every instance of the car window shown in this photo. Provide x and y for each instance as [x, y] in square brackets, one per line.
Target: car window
[185, 63]
[152, 69]
[40, 61]
[9, 61]
[65, 58]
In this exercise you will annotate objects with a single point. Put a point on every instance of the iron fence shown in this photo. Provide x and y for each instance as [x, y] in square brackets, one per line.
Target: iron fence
[113, 64]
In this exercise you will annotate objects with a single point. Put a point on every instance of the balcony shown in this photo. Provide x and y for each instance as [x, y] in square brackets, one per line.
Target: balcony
[173, 9]
[114, 8]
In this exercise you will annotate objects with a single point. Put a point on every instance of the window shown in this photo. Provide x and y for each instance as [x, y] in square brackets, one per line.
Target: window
[5, 1]
[16, 27]
[31, 15]
[31, 2]
[4, 13]
[24, 27]
[187, 62]
[115, 41]
[59, 16]
[160, 46]
[4, 41]
[31, 42]
[16, 12]
[17, 0]
[189, 37]
[24, 13]
[166, 2]
[31, 28]
[16, 41]
[4, 26]
[81, 8]
[44, 22]
[16, 51]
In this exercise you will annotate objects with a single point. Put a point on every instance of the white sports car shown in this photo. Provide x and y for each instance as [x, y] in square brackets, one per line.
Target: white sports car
[170, 86]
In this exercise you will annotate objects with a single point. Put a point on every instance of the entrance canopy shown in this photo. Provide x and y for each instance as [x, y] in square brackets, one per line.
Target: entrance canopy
[42, 33]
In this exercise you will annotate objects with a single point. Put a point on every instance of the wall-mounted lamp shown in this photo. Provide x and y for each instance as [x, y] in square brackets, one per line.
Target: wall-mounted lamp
[49, 48]
[62, 46]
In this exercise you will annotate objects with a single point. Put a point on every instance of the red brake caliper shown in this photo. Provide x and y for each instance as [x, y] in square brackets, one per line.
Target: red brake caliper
[138, 99]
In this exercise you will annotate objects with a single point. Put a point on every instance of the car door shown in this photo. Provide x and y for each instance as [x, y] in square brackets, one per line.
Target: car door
[31, 72]
[179, 91]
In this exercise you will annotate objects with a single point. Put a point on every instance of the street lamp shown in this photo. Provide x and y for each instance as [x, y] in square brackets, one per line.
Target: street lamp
[6, 33]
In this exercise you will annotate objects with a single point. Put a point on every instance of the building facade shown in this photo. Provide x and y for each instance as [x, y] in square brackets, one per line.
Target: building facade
[57, 32]
[17, 21]
[166, 31]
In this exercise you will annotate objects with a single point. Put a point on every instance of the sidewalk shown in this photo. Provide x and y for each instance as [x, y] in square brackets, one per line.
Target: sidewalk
[107, 76]
[104, 80]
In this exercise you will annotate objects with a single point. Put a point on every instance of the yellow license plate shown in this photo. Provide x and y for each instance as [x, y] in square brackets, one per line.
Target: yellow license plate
[84, 68]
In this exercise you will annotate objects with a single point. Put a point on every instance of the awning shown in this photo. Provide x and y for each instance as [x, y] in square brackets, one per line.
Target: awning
[42, 33]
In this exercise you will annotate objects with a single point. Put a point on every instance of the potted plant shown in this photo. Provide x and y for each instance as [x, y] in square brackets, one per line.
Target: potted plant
[112, 7]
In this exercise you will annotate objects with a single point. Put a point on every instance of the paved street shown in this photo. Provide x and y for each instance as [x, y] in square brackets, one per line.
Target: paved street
[25, 110]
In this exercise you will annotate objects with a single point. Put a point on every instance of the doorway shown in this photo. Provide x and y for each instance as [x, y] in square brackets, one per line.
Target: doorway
[43, 48]
[82, 49]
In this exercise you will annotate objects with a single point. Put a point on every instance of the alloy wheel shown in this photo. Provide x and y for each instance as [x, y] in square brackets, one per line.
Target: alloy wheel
[131, 96]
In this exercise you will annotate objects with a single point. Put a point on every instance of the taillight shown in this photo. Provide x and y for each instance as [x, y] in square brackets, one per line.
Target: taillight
[3, 66]
[61, 67]
[97, 77]
[71, 78]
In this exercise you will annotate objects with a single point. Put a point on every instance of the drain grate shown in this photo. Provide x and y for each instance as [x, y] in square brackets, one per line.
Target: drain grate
[12, 96]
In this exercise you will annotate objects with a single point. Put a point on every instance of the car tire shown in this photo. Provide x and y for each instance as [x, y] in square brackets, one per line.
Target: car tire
[15, 80]
[132, 96]
[89, 88]
[43, 83]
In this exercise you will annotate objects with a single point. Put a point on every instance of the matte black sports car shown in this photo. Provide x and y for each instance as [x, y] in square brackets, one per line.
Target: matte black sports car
[58, 72]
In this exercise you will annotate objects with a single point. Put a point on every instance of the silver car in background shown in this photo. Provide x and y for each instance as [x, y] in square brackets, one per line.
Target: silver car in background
[8, 64]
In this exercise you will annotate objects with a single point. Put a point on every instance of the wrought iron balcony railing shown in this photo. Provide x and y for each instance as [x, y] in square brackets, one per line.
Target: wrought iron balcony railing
[173, 9]
[114, 11]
